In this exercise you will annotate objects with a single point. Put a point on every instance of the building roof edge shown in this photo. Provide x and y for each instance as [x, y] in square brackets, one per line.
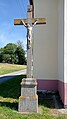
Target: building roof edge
[31, 2]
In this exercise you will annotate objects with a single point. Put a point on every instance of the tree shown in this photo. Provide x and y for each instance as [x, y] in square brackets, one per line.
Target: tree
[6, 58]
[13, 53]
[9, 50]
[0, 55]
[20, 53]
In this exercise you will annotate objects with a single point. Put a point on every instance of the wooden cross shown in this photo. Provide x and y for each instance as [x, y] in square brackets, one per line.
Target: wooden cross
[40, 21]
[26, 22]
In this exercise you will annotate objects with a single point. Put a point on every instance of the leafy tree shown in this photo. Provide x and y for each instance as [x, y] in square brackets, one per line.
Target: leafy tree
[10, 48]
[6, 58]
[0, 55]
[20, 53]
[13, 53]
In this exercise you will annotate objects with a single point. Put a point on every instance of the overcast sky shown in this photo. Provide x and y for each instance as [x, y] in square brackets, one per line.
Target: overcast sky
[10, 10]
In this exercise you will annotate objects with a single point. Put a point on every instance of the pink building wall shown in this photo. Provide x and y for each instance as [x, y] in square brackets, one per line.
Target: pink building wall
[47, 84]
[55, 85]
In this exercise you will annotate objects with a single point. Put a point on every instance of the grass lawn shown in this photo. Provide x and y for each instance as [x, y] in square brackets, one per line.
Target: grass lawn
[9, 94]
[8, 68]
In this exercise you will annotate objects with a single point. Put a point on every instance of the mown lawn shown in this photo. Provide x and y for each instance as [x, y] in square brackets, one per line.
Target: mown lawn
[9, 94]
[8, 68]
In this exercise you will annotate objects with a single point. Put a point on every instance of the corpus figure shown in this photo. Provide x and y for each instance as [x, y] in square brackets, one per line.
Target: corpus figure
[29, 32]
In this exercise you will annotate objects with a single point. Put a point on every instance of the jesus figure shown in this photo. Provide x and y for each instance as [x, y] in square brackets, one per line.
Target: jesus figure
[29, 32]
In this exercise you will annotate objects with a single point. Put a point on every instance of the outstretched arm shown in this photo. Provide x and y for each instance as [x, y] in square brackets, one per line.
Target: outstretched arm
[24, 23]
[35, 23]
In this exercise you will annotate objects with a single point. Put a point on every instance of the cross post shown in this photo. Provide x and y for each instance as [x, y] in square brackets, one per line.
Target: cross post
[29, 24]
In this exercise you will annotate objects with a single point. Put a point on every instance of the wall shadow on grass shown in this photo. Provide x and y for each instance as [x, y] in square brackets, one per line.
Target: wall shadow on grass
[10, 90]
[48, 103]
[13, 105]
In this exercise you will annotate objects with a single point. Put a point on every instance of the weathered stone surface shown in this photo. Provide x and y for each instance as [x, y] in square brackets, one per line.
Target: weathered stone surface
[28, 104]
[28, 87]
[28, 101]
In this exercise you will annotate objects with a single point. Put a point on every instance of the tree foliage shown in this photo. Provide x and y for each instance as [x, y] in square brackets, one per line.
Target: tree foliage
[13, 53]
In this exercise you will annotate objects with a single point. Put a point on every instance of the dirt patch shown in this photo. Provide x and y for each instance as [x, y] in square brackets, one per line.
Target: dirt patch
[54, 112]
[58, 112]
[40, 110]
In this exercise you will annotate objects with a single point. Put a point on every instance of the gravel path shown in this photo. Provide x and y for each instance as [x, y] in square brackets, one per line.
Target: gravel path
[6, 77]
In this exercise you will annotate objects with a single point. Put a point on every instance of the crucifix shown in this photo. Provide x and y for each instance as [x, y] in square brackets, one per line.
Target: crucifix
[29, 23]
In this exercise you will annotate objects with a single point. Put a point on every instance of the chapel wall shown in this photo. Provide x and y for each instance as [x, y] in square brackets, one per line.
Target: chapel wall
[46, 40]
[61, 40]
[65, 41]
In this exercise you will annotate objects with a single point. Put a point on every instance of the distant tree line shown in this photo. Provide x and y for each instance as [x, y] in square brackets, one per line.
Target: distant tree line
[13, 53]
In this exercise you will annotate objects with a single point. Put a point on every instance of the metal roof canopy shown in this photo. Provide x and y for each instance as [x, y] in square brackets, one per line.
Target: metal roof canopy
[31, 2]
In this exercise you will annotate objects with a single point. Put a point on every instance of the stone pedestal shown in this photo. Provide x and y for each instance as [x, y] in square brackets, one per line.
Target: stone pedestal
[28, 101]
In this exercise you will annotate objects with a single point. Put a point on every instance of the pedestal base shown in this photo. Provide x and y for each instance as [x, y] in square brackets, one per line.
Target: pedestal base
[28, 101]
[28, 104]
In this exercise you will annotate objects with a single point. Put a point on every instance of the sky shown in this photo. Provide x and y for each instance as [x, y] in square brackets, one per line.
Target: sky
[10, 10]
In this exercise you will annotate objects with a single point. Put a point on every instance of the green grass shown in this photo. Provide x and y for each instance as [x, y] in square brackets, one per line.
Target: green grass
[9, 94]
[8, 68]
